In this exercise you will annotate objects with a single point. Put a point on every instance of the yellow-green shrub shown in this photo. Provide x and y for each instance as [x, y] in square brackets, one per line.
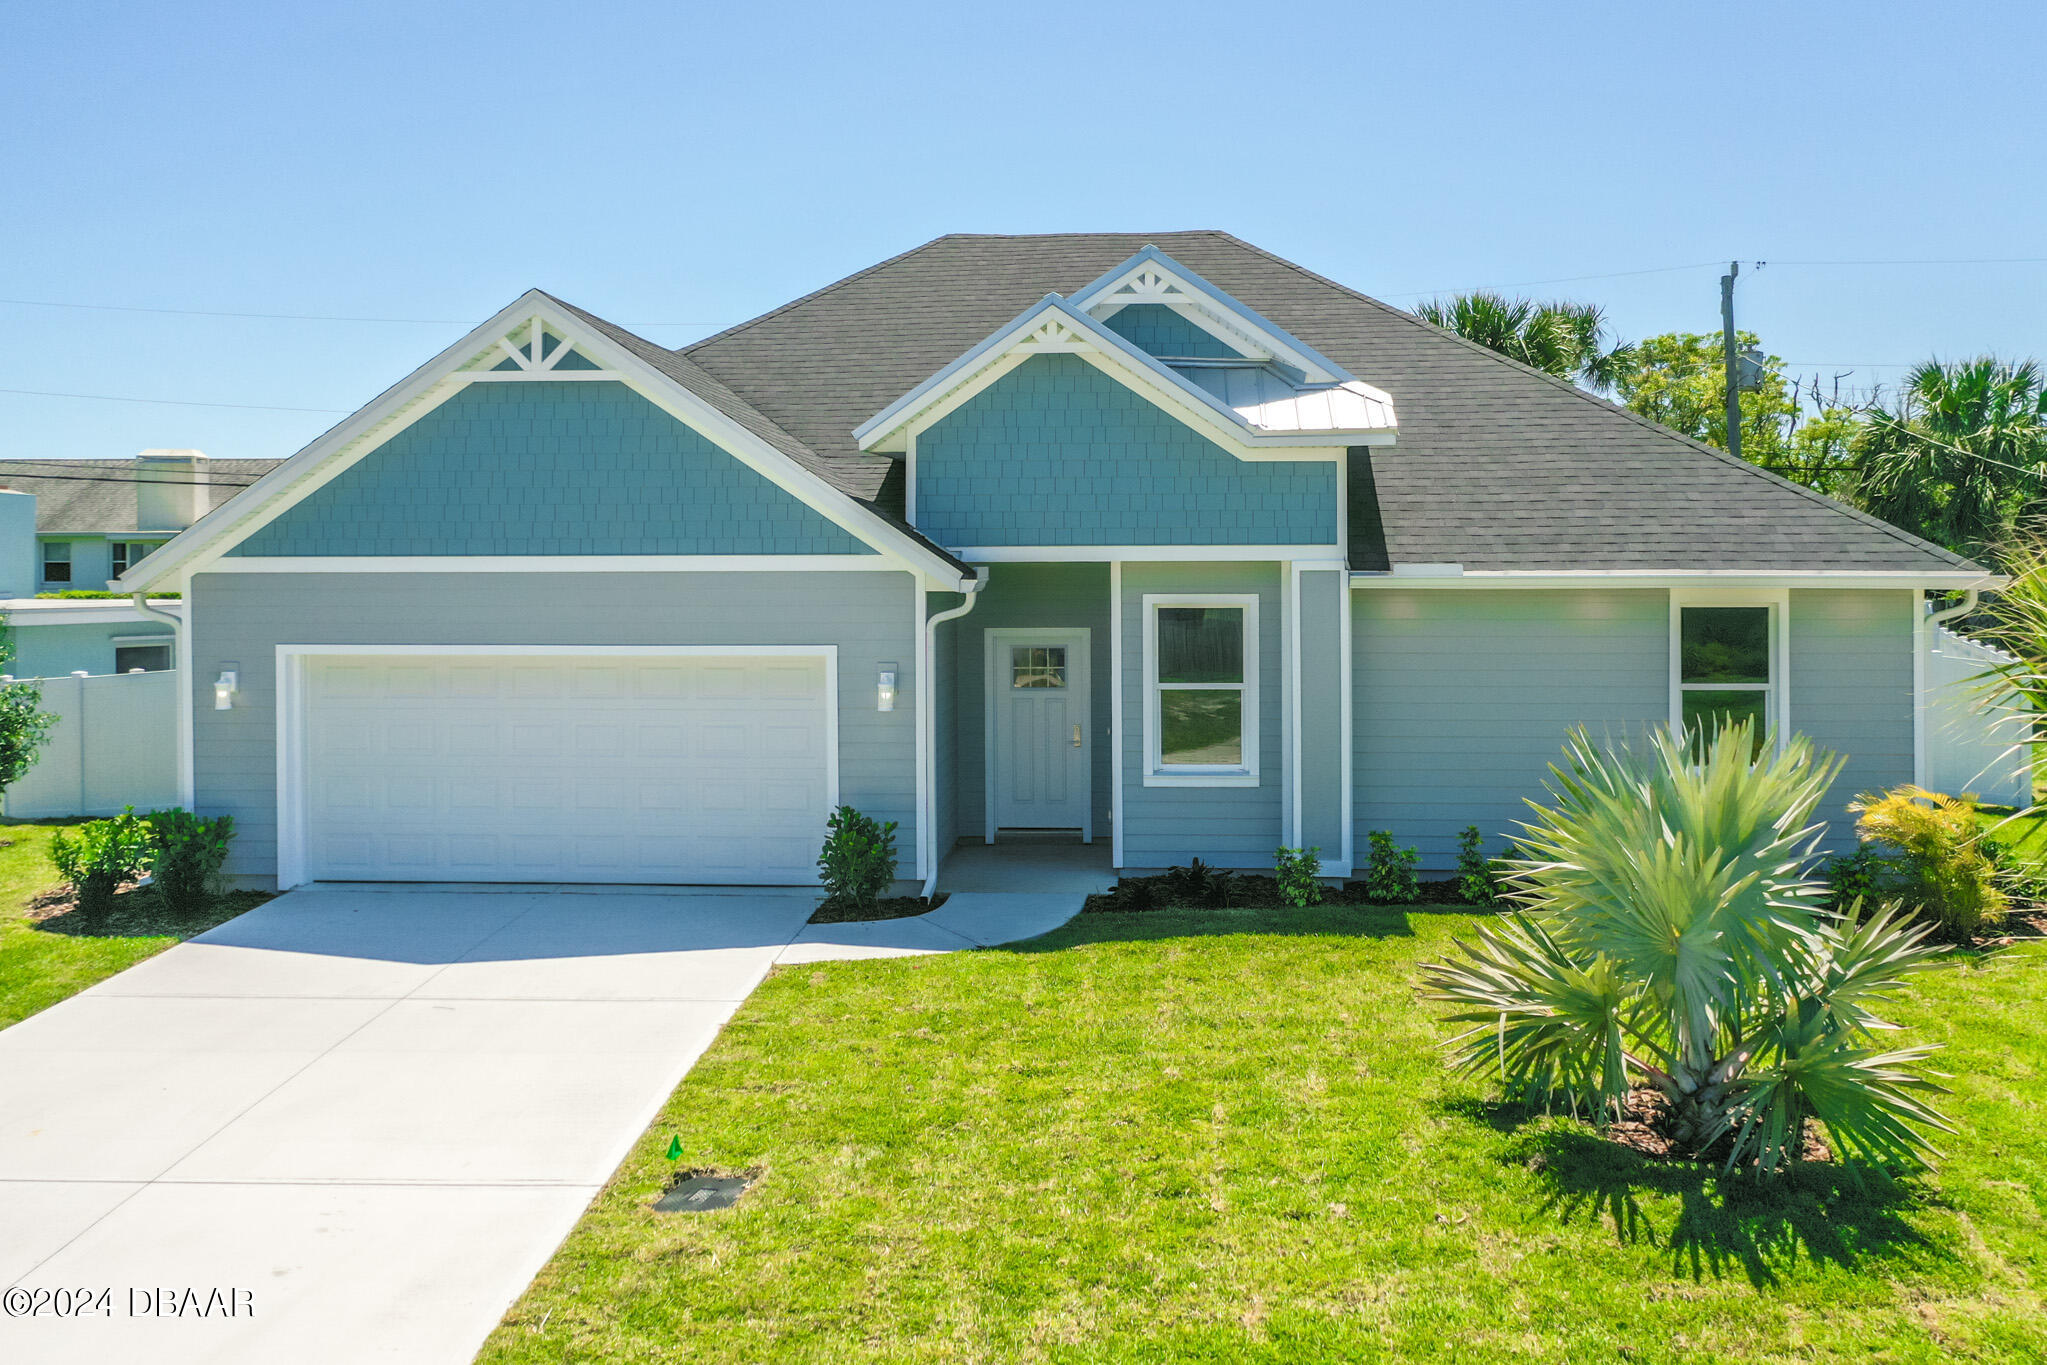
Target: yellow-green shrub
[1929, 854]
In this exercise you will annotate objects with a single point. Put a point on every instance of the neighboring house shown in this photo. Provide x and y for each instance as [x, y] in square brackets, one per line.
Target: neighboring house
[76, 525]
[1161, 541]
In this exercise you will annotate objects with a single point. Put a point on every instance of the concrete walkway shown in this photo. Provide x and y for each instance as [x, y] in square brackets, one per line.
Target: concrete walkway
[366, 1117]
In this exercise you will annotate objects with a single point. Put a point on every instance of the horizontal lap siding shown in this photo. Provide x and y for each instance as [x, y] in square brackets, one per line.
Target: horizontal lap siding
[240, 619]
[1851, 689]
[1225, 826]
[1029, 596]
[1463, 698]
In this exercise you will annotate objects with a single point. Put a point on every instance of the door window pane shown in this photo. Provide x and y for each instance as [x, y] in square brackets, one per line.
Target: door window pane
[1726, 644]
[1037, 666]
[1201, 645]
[1203, 727]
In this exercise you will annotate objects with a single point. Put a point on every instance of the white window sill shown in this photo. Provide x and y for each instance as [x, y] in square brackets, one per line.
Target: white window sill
[1173, 779]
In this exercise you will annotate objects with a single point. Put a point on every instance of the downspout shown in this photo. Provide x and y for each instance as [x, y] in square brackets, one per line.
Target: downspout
[926, 817]
[1941, 618]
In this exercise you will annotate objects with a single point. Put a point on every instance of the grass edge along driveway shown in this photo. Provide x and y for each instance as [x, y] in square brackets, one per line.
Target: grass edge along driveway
[1228, 1136]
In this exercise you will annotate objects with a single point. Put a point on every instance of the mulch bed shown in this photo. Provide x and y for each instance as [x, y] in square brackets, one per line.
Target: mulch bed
[1645, 1115]
[137, 912]
[1243, 892]
[893, 907]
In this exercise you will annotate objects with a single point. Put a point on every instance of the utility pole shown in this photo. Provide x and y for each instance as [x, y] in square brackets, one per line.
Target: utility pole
[1733, 360]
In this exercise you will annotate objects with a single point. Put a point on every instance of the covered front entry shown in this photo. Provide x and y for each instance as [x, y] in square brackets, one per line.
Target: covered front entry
[1039, 742]
[636, 764]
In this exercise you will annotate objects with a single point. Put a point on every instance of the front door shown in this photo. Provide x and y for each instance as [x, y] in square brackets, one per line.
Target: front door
[1038, 743]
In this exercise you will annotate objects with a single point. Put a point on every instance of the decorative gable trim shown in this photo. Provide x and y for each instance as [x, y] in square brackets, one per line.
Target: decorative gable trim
[509, 336]
[1151, 276]
[1056, 326]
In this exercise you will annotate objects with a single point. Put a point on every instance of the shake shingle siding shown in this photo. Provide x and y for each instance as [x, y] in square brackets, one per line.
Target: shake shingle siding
[1058, 453]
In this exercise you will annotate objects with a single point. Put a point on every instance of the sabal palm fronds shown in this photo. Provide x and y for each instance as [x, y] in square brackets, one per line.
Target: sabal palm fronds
[1669, 936]
[1568, 340]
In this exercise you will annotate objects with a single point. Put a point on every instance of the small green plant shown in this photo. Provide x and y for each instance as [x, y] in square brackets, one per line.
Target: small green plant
[1299, 874]
[1389, 873]
[859, 858]
[1200, 884]
[1927, 853]
[99, 857]
[1476, 883]
[1852, 881]
[186, 853]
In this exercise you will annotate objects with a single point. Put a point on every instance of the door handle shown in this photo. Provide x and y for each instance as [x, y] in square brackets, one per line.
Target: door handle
[1076, 736]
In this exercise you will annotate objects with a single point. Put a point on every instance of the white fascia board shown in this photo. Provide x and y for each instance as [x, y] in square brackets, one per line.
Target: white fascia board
[30, 612]
[1676, 578]
[433, 383]
[1319, 556]
[938, 396]
[1283, 344]
[419, 564]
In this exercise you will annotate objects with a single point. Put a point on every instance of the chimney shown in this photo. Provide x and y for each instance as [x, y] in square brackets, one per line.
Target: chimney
[19, 565]
[170, 491]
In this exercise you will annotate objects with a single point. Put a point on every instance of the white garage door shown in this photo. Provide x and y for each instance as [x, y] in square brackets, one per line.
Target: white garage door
[577, 769]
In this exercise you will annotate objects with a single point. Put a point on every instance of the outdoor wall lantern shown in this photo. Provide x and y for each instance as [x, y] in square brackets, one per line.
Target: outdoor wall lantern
[885, 691]
[224, 691]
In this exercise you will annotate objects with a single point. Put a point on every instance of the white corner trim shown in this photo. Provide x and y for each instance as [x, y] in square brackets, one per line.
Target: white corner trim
[1116, 703]
[1921, 630]
[1322, 556]
[1245, 774]
[1346, 609]
[291, 713]
[1290, 707]
[443, 376]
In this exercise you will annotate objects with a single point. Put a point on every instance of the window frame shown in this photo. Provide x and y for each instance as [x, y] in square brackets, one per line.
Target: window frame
[118, 559]
[164, 642]
[43, 561]
[1157, 773]
[1778, 689]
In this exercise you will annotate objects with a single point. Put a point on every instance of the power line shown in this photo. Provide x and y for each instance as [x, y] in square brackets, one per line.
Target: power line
[115, 478]
[1562, 279]
[174, 402]
[1701, 265]
[289, 317]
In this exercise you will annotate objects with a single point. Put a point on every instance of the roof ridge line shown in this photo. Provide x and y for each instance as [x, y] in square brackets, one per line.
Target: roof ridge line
[817, 293]
[1834, 504]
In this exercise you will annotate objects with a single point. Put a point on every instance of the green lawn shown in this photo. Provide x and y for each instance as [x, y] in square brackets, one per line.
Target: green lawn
[42, 963]
[1227, 1136]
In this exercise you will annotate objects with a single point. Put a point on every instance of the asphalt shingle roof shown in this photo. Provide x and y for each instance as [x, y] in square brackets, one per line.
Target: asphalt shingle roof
[95, 497]
[1496, 465]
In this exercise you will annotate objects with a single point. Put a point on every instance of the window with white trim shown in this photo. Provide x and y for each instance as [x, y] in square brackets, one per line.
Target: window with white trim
[130, 552]
[1201, 690]
[1728, 664]
[56, 561]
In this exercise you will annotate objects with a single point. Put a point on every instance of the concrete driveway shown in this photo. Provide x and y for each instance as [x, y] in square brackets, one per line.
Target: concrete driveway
[365, 1117]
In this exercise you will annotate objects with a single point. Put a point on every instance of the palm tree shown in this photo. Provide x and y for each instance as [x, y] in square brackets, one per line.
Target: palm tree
[1962, 454]
[1567, 340]
[1672, 940]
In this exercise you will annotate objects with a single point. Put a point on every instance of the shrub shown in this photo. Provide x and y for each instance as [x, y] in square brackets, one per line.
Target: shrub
[1475, 880]
[1298, 872]
[1927, 852]
[1199, 884]
[1389, 872]
[1673, 940]
[186, 853]
[1851, 881]
[99, 856]
[859, 858]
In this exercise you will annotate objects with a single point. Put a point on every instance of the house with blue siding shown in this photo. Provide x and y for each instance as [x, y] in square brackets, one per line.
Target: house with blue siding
[1158, 543]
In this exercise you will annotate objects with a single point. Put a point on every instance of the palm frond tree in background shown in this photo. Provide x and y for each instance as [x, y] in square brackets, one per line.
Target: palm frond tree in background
[1568, 340]
[1960, 455]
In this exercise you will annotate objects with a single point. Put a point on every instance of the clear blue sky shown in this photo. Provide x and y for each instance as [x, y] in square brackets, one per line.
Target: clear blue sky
[692, 165]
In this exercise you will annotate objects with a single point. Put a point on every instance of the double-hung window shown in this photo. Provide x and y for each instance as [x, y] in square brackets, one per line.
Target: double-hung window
[56, 561]
[1201, 690]
[1727, 663]
[128, 553]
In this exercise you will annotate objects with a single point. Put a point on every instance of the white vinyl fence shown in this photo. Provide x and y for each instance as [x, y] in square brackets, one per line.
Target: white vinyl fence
[1970, 745]
[115, 744]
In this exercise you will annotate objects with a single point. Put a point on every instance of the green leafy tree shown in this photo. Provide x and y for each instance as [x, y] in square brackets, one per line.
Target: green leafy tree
[1568, 340]
[1672, 939]
[1680, 380]
[23, 722]
[1960, 455]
